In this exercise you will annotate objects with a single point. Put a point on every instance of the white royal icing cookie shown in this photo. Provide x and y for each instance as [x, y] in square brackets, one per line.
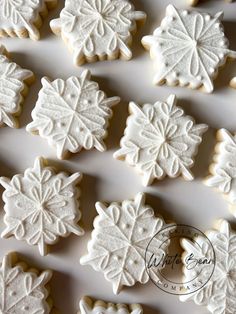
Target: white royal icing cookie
[188, 48]
[87, 306]
[22, 291]
[97, 28]
[219, 294]
[72, 114]
[223, 170]
[13, 84]
[120, 239]
[41, 206]
[22, 18]
[160, 140]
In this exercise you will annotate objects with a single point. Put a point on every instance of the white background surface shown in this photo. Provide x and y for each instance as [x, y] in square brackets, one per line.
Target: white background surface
[107, 179]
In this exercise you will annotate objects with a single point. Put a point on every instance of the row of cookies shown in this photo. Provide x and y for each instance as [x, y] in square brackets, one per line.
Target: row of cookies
[188, 48]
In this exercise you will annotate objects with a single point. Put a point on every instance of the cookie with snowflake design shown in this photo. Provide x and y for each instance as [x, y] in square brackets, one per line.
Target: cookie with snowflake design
[97, 29]
[23, 18]
[23, 290]
[88, 306]
[120, 239]
[41, 206]
[160, 140]
[188, 49]
[219, 294]
[14, 82]
[72, 114]
[223, 170]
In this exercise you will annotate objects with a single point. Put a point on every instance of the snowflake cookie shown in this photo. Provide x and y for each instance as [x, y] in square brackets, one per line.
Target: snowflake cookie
[41, 206]
[160, 140]
[188, 48]
[223, 170]
[23, 18]
[120, 239]
[13, 86]
[97, 29]
[72, 114]
[219, 294]
[22, 290]
[88, 306]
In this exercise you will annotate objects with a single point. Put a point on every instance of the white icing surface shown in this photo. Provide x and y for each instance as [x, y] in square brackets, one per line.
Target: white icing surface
[219, 294]
[41, 206]
[97, 27]
[119, 241]
[160, 140]
[188, 48]
[21, 14]
[224, 170]
[72, 114]
[86, 307]
[22, 292]
[12, 78]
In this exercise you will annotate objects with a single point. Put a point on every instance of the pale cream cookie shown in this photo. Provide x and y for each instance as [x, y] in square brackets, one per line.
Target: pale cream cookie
[14, 82]
[97, 29]
[88, 306]
[23, 290]
[219, 293]
[120, 239]
[160, 140]
[23, 18]
[188, 49]
[72, 114]
[41, 206]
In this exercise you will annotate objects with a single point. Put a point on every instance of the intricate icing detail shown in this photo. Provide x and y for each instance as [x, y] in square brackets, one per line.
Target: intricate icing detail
[160, 140]
[40, 205]
[22, 292]
[12, 84]
[97, 28]
[22, 15]
[119, 241]
[87, 306]
[188, 48]
[219, 293]
[223, 172]
[72, 114]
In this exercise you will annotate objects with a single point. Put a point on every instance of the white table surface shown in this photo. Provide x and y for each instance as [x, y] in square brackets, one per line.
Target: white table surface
[107, 179]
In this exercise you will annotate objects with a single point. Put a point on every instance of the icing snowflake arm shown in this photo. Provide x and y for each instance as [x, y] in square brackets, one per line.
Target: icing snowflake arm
[40, 206]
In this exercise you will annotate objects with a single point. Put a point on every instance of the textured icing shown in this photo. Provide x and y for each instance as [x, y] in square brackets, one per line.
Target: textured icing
[72, 114]
[219, 294]
[21, 14]
[188, 48]
[97, 27]
[119, 241]
[88, 307]
[41, 206]
[160, 140]
[223, 171]
[12, 78]
[22, 292]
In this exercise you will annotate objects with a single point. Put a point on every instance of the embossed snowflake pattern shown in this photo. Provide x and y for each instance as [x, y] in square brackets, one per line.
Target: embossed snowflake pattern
[72, 114]
[97, 28]
[19, 17]
[223, 171]
[88, 306]
[120, 239]
[219, 293]
[41, 206]
[160, 140]
[12, 84]
[188, 48]
[22, 291]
